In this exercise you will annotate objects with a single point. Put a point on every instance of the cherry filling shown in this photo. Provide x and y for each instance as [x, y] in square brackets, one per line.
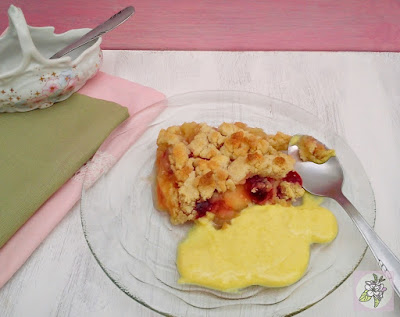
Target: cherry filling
[293, 177]
[257, 189]
[202, 207]
[260, 189]
[215, 205]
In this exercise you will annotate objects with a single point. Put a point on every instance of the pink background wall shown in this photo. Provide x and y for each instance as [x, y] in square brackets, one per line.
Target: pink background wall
[365, 25]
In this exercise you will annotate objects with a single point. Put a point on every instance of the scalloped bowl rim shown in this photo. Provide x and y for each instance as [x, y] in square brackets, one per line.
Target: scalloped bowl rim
[65, 59]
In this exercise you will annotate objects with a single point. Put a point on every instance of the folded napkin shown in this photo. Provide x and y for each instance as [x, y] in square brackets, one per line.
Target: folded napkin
[108, 88]
[41, 150]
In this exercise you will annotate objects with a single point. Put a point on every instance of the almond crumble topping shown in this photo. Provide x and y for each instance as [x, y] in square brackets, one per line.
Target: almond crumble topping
[197, 162]
[222, 170]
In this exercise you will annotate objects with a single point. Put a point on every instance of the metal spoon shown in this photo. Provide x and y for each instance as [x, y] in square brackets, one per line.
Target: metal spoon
[326, 180]
[103, 28]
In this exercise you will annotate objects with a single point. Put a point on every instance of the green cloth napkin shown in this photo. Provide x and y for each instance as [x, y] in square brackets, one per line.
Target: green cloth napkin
[41, 149]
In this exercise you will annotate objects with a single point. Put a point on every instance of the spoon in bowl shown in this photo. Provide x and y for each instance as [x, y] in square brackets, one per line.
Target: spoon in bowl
[98, 31]
[326, 180]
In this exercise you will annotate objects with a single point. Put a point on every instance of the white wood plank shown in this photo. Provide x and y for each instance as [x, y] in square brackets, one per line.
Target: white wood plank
[356, 94]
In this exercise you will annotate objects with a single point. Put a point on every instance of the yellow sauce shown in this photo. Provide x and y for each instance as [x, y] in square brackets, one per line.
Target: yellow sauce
[265, 245]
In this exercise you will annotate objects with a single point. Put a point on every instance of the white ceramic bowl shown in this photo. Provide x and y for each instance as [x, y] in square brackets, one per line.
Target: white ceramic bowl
[28, 78]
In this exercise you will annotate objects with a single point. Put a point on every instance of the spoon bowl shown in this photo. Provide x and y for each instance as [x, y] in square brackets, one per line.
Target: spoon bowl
[319, 179]
[326, 180]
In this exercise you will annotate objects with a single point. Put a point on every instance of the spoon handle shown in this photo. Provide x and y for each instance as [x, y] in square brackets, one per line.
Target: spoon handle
[98, 31]
[388, 262]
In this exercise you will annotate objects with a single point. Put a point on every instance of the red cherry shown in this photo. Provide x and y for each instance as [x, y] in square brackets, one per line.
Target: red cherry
[203, 207]
[293, 177]
[259, 189]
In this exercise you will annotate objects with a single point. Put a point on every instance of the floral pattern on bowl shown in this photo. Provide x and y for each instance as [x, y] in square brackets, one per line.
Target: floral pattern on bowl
[28, 79]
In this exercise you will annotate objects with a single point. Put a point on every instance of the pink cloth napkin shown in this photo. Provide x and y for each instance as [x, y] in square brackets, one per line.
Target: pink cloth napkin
[103, 86]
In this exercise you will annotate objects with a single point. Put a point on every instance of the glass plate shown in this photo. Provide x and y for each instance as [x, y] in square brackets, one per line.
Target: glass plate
[136, 245]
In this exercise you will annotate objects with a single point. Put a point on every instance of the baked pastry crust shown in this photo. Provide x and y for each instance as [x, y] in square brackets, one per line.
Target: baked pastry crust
[198, 164]
[312, 150]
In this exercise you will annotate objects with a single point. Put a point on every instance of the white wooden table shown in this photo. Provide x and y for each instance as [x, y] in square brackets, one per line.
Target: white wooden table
[357, 94]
